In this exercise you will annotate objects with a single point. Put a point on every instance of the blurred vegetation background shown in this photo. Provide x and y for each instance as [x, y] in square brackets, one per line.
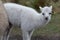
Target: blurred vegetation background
[53, 28]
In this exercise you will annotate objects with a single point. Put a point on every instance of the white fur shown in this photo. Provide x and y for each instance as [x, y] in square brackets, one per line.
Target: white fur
[27, 17]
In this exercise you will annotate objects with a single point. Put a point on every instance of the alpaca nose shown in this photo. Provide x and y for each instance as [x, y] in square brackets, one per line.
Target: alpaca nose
[46, 18]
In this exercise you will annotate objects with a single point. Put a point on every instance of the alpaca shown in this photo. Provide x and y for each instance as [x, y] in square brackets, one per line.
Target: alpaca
[27, 18]
[3, 20]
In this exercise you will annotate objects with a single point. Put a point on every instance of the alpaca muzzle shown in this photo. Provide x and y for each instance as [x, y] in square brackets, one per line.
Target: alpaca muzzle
[46, 18]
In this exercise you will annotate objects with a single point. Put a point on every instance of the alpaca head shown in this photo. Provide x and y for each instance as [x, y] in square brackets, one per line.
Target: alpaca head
[46, 12]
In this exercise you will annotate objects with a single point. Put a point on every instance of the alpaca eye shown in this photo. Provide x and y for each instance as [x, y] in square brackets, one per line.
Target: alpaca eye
[49, 13]
[43, 14]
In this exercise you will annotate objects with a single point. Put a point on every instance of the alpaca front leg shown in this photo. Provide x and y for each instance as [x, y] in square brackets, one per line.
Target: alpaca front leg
[25, 35]
[31, 33]
[5, 37]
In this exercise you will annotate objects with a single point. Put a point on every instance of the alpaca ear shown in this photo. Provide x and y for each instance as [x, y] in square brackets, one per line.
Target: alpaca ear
[41, 8]
[51, 7]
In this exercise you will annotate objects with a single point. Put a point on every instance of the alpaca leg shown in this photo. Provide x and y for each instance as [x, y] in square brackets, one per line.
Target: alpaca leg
[6, 33]
[31, 33]
[25, 35]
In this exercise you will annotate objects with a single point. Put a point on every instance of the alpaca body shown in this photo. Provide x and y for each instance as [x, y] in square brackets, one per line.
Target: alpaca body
[26, 17]
[21, 15]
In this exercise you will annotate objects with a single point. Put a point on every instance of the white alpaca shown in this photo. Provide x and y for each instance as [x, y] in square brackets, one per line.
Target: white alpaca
[28, 18]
